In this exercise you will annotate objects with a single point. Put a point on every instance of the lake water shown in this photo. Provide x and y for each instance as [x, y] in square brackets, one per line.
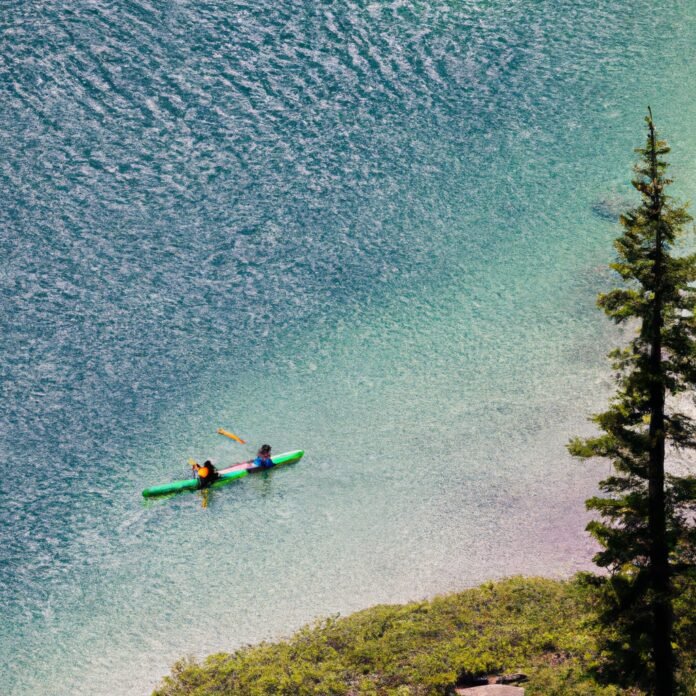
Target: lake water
[373, 231]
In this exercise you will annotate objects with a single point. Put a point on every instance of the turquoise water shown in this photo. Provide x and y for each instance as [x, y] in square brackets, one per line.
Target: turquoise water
[370, 230]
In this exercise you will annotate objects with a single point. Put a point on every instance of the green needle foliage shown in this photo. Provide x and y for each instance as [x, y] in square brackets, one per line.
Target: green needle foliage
[646, 526]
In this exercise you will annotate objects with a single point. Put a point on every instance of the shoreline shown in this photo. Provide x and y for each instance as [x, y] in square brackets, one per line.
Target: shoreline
[534, 626]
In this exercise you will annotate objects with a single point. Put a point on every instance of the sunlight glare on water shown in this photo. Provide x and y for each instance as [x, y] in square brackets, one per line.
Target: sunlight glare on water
[373, 231]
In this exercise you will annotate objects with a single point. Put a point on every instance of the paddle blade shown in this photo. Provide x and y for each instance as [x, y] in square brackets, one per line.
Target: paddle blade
[232, 436]
[192, 462]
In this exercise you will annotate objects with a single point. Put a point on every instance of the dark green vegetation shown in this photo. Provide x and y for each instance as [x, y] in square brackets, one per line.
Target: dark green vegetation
[647, 530]
[534, 626]
[543, 628]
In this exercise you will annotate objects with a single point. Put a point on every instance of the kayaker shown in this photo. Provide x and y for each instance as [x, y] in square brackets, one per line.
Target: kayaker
[263, 457]
[205, 474]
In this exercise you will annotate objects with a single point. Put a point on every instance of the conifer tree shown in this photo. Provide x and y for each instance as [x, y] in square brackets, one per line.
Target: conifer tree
[646, 526]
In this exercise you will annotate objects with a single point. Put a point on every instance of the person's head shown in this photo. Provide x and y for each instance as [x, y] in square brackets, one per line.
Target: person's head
[207, 462]
[265, 451]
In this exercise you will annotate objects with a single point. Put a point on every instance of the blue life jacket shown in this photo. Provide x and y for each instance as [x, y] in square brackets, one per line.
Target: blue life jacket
[263, 462]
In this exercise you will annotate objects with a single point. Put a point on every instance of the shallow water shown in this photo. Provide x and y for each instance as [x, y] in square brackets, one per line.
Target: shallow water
[373, 231]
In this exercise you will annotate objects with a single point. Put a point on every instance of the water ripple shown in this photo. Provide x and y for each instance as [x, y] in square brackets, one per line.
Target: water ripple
[339, 224]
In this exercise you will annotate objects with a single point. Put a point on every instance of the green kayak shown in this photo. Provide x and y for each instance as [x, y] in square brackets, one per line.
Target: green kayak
[226, 476]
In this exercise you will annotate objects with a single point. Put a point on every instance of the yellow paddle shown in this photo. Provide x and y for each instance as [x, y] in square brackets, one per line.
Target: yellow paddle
[232, 436]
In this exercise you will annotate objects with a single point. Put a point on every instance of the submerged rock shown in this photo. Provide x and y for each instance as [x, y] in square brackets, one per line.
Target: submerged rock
[610, 208]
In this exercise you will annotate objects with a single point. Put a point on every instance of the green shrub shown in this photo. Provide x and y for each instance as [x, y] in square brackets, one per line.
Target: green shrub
[543, 628]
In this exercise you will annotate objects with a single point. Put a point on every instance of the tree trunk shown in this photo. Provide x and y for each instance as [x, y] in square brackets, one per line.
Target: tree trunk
[659, 560]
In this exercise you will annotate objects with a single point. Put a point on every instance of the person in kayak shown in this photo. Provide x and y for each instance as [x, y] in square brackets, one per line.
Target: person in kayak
[205, 474]
[263, 457]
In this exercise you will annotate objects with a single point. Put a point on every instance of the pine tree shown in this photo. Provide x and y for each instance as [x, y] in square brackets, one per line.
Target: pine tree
[646, 526]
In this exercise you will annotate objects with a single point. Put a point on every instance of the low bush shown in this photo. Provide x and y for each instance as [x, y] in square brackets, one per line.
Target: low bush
[543, 628]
